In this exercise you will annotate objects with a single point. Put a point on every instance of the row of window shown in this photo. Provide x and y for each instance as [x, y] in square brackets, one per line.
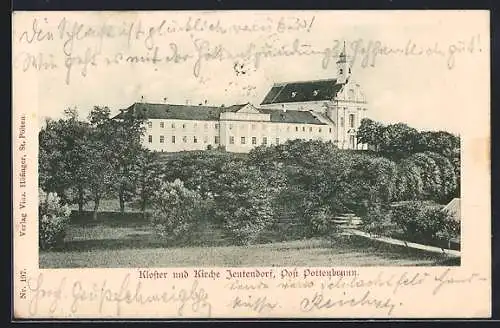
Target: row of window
[184, 139]
[243, 140]
[216, 126]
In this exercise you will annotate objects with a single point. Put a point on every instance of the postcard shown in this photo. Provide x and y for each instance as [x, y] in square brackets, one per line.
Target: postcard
[251, 164]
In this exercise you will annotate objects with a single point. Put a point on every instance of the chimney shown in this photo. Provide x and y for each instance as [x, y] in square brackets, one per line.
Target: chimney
[206, 101]
[142, 98]
[165, 100]
[187, 101]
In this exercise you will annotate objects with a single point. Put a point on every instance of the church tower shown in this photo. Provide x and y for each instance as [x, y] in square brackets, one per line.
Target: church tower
[343, 67]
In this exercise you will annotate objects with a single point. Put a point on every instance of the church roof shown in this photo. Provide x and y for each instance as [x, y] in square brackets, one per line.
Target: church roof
[211, 113]
[318, 90]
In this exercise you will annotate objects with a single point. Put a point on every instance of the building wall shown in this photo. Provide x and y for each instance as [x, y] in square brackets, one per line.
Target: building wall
[349, 101]
[229, 133]
[189, 135]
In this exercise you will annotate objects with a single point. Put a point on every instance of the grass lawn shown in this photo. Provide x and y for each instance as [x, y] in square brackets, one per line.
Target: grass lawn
[113, 244]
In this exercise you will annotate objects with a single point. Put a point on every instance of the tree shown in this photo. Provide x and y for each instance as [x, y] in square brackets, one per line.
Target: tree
[370, 132]
[120, 140]
[126, 144]
[62, 152]
[149, 177]
[408, 183]
[177, 210]
[398, 140]
[421, 223]
[243, 202]
[101, 160]
[437, 175]
[440, 142]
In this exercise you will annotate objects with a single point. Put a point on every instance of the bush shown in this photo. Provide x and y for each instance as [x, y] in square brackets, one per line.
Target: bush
[422, 223]
[377, 220]
[320, 222]
[177, 211]
[243, 202]
[53, 220]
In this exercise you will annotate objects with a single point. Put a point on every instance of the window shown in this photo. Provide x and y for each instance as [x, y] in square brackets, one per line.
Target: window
[183, 126]
[205, 139]
[330, 130]
[352, 142]
[342, 122]
[150, 138]
[341, 71]
[351, 120]
[173, 125]
[349, 70]
[254, 140]
[303, 129]
[319, 130]
[205, 126]
[287, 129]
[162, 139]
[296, 128]
[310, 129]
[216, 140]
[231, 140]
[216, 126]
[264, 140]
[277, 141]
[230, 126]
[150, 124]
[173, 139]
[184, 139]
[195, 140]
[242, 140]
[162, 125]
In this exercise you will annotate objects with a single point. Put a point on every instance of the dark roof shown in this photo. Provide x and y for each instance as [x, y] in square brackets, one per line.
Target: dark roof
[291, 116]
[318, 90]
[177, 112]
[210, 113]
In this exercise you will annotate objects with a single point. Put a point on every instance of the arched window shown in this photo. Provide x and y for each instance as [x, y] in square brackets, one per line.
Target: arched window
[351, 120]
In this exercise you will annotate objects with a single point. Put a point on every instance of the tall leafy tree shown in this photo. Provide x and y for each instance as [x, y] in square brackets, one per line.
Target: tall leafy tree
[62, 152]
[101, 162]
[148, 171]
[370, 132]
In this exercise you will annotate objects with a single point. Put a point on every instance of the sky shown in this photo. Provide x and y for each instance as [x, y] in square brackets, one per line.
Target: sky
[427, 69]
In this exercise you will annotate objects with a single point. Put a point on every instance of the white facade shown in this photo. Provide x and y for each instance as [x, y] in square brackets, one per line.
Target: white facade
[327, 110]
[236, 131]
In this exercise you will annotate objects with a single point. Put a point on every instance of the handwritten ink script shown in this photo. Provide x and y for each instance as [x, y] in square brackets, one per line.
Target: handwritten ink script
[101, 296]
[385, 293]
[76, 47]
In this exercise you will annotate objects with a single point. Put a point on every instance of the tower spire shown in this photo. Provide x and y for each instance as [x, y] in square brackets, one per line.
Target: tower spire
[343, 67]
